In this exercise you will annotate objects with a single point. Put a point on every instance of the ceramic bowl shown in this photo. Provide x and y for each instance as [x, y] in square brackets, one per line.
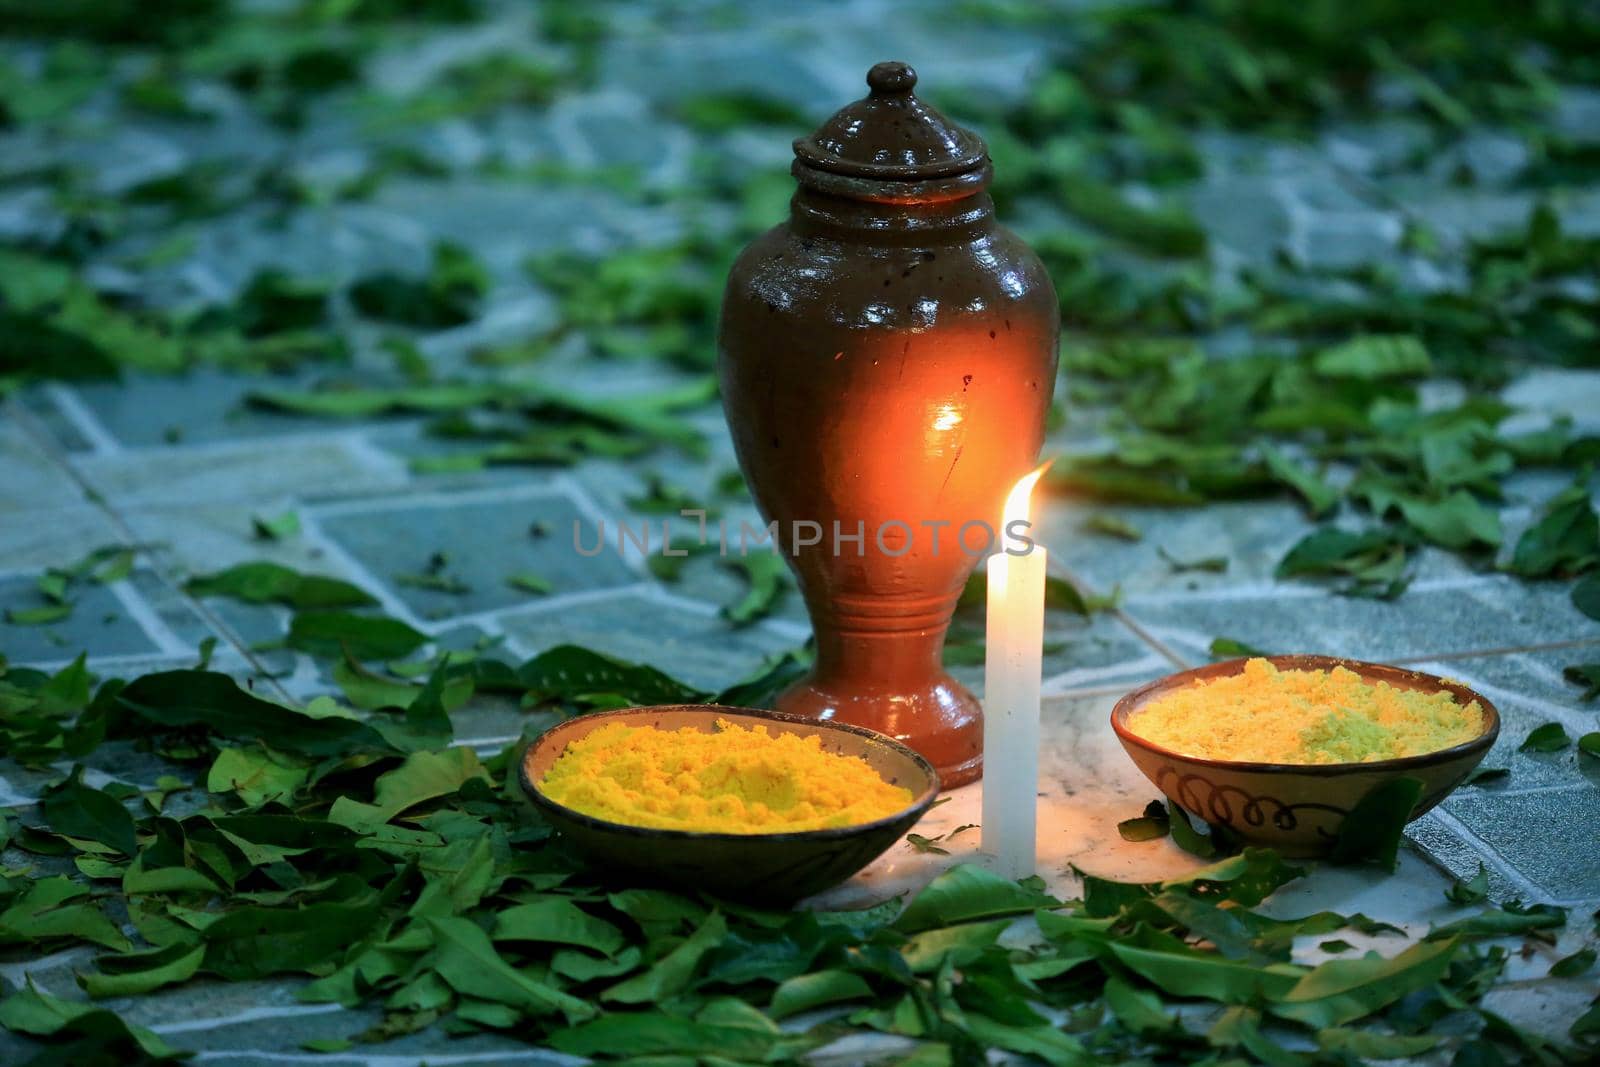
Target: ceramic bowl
[1296, 808]
[778, 867]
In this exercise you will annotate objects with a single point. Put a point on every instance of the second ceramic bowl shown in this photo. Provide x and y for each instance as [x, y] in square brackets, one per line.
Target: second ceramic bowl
[1296, 808]
[776, 868]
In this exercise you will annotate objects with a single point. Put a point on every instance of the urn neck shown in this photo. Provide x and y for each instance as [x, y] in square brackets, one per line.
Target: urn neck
[818, 214]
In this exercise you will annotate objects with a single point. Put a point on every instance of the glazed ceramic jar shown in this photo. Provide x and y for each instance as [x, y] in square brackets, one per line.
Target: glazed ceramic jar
[887, 357]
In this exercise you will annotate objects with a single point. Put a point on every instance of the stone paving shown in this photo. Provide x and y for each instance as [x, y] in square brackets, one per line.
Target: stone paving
[179, 466]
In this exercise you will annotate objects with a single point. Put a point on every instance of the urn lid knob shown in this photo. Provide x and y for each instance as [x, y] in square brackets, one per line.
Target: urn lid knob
[891, 76]
[891, 135]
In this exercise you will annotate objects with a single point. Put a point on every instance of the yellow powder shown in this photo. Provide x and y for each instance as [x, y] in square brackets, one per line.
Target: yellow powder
[1270, 716]
[736, 780]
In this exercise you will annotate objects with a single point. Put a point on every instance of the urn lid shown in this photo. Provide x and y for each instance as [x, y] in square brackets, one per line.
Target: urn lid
[890, 135]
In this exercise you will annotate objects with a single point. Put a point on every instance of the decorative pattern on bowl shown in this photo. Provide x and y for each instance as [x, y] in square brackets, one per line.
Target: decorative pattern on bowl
[1296, 808]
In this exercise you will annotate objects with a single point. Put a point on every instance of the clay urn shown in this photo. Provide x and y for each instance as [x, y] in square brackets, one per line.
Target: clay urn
[887, 356]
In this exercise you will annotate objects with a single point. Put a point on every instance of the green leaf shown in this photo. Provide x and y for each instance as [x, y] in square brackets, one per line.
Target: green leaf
[1500, 922]
[925, 845]
[1229, 648]
[1112, 526]
[762, 687]
[655, 1033]
[1586, 596]
[1589, 743]
[1139, 1010]
[76, 810]
[768, 578]
[1374, 560]
[1167, 231]
[181, 699]
[1584, 674]
[1340, 991]
[966, 892]
[1320, 497]
[1194, 973]
[1457, 521]
[258, 942]
[1579, 963]
[256, 776]
[1150, 826]
[1586, 1026]
[1550, 737]
[1371, 1045]
[1210, 564]
[276, 527]
[807, 991]
[956, 946]
[50, 909]
[137, 973]
[1372, 831]
[40, 616]
[340, 633]
[571, 673]
[1039, 1040]
[1374, 358]
[447, 296]
[422, 777]
[1473, 891]
[720, 112]
[263, 582]
[1566, 539]
[29, 1011]
[468, 962]
[557, 920]
[1186, 837]
[671, 974]
[529, 582]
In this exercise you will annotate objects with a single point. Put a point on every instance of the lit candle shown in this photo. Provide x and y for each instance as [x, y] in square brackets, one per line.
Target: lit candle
[1011, 694]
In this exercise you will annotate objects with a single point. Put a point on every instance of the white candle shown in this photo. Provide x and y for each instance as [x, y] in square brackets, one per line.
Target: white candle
[1011, 696]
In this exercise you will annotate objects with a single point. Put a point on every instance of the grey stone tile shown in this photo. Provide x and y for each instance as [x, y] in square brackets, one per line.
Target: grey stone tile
[29, 479]
[1253, 536]
[505, 221]
[1548, 836]
[1380, 146]
[485, 537]
[340, 463]
[1574, 394]
[100, 622]
[203, 405]
[1456, 214]
[1344, 240]
[196, 537]
[1443, 843]
[1098, 653]
[1449, 616]
[1528, 690]
[691, 643]
[33, 540]
[41, 403]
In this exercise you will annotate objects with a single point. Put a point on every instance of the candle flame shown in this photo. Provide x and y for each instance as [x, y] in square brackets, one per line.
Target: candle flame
[1017, 502]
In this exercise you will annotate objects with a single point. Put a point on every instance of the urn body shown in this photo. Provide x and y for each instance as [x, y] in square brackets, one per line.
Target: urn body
[887, 357]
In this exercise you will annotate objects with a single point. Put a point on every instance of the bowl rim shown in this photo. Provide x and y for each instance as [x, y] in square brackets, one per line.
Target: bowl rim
[1367, 669]
[920, 801]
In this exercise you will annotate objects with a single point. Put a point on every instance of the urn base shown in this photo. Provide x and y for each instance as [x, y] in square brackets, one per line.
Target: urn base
[940, 719]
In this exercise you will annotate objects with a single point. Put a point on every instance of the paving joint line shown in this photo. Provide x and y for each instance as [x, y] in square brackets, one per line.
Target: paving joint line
[52, 450]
